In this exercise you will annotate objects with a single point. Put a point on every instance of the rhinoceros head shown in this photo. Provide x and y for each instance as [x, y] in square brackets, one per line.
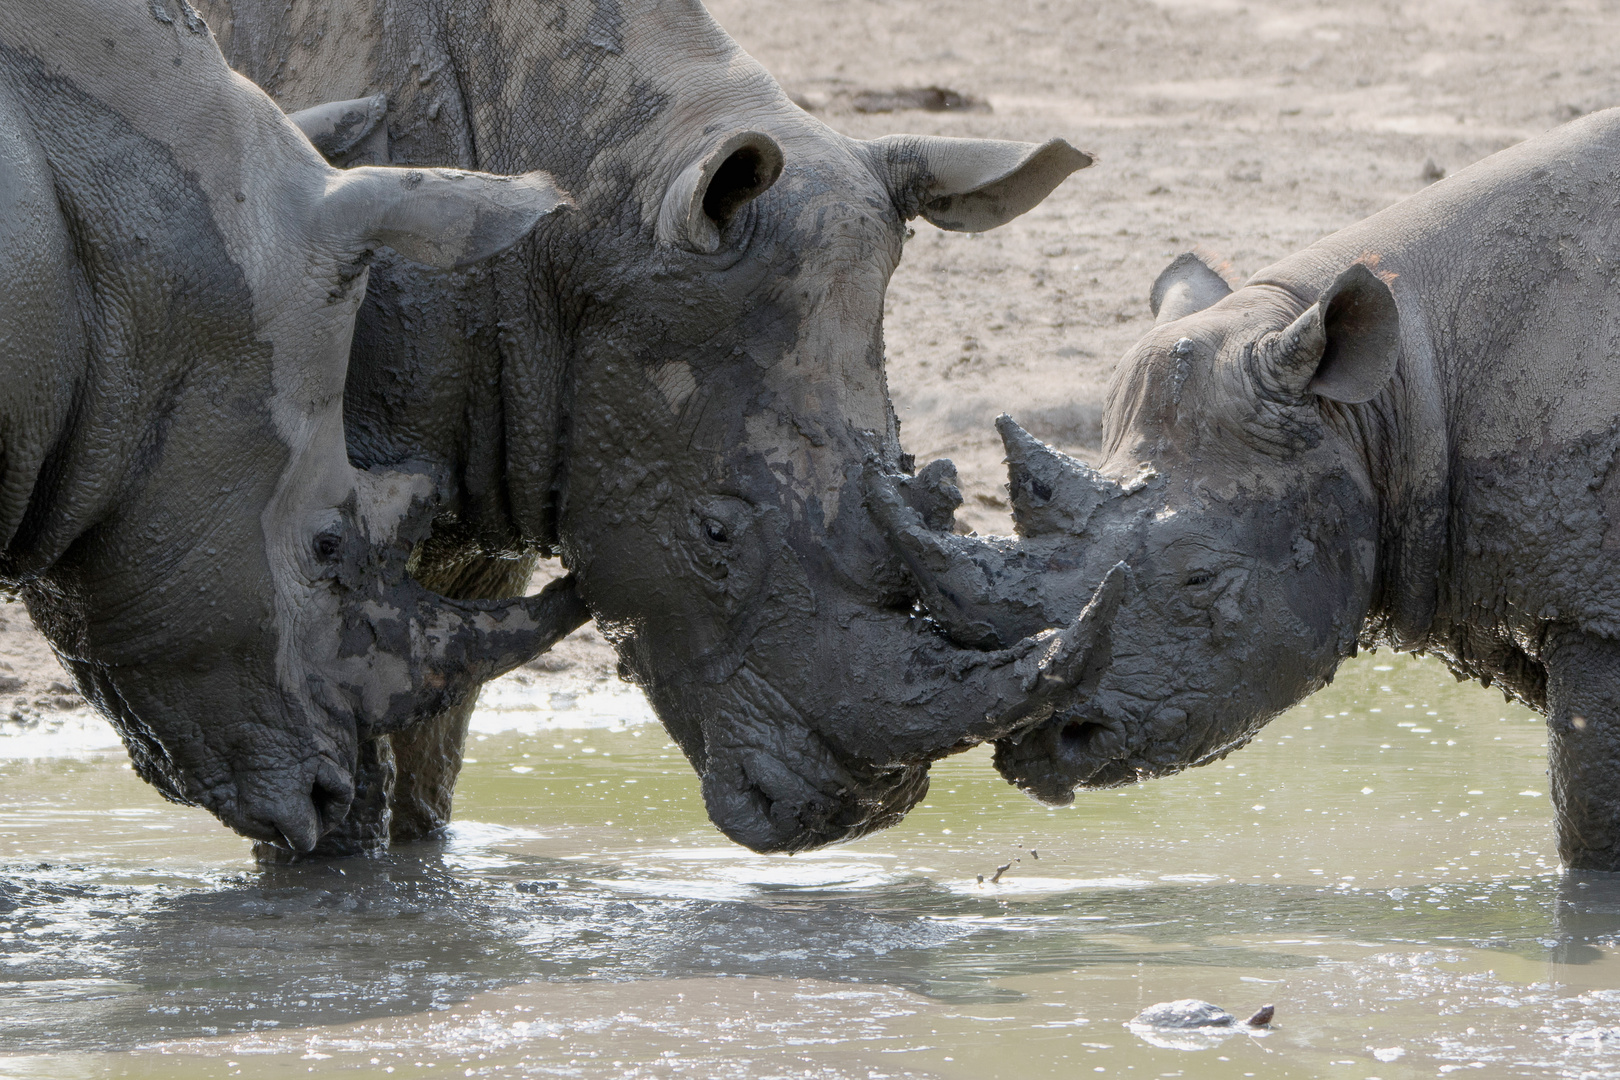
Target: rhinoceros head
[1232, 488]
[218, 578]
[276, 624]
[728, 392]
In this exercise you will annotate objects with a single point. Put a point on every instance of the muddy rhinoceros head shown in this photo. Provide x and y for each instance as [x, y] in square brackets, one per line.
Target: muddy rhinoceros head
[1232, 487]
[246, 616]
[272, 623]
[728, 393]
[219, 579]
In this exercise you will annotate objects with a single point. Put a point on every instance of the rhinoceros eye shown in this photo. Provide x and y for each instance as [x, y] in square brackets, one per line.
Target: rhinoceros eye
[1197, 578]
[328, 545]
[716, 531]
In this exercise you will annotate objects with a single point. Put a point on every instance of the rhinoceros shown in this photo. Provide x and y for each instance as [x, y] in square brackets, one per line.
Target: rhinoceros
[1406, 435]
[181, 272]
[674, 387]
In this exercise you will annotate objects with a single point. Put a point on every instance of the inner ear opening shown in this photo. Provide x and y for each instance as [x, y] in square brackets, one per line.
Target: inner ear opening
[1361, 325]
[740, 179]
[1357, 318]
[710, 192]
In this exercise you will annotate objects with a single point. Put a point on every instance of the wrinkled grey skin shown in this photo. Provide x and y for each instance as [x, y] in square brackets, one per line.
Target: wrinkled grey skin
[181, 272]
[1406, 435]
[675, 388]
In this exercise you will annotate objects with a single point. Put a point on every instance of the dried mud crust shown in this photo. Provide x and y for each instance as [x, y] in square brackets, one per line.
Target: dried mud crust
[1246, 129]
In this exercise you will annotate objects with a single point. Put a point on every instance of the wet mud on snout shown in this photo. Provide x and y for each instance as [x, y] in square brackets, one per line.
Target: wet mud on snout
[1378, 865]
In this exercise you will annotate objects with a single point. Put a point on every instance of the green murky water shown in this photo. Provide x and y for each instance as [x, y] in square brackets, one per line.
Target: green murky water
[1379, 867]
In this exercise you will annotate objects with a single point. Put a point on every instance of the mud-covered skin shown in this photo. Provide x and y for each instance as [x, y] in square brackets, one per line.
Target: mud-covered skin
[1405, 435]
[181, 272]
[677, 388]
[1200, 578]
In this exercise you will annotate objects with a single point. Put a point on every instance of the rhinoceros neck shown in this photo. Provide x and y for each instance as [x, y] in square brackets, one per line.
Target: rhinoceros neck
[1506, 415]
[611, 97]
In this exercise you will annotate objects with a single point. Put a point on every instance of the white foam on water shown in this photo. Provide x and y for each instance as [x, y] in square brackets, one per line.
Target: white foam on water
[505, 705]
[477, 834]
[1025, 886]
[714, 874]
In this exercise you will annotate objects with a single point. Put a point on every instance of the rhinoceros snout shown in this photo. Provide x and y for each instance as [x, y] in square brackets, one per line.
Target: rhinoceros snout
[768, 806]
[291, 812]
[1067, 752]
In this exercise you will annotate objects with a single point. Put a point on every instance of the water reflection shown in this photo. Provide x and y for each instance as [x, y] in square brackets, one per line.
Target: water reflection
[1586, 914]
[116, 965]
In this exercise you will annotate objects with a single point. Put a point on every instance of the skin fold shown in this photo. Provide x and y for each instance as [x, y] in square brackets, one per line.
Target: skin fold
[1405, 435]
[181, 276]
[676, 387]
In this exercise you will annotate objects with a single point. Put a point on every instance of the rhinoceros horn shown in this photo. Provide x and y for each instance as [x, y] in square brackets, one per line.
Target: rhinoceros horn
[988, 592]
[404, 653]
[454, 646]
[963, 582]
[1051, 491]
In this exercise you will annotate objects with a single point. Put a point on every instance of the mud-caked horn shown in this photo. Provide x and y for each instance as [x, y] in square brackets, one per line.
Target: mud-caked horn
[1051, 491]
[1073, 658]
[451, 647]
[404, 653]
[980, 591]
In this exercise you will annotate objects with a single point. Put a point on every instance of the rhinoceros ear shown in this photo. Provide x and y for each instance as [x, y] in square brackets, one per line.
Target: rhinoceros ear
[1187, 285]
[344, 130]
[709, 192]
[970, 185]
[442, 217]
[1344, 347]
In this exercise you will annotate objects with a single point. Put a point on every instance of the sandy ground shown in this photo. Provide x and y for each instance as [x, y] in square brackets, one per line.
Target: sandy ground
[1244, 128]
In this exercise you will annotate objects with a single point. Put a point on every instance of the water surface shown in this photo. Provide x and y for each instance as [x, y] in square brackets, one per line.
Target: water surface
[1378, 865]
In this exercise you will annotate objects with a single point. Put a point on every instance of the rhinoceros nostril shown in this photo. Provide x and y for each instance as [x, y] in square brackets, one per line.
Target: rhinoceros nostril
[1077, 736]
[331, 795]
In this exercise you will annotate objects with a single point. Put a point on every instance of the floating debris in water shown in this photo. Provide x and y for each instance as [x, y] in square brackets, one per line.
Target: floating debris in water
[1191, 1024]
[1604, 1036]
[1188, 1024]
[1002, 869]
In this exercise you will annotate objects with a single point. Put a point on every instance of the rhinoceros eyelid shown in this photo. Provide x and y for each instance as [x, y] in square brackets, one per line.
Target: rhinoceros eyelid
[716, 531]
[1198, 577]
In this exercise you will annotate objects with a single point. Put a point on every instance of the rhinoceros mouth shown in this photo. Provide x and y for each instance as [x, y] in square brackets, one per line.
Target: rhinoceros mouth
[1067, 752]
[305, 793]
[773, 783]
[770, 806]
